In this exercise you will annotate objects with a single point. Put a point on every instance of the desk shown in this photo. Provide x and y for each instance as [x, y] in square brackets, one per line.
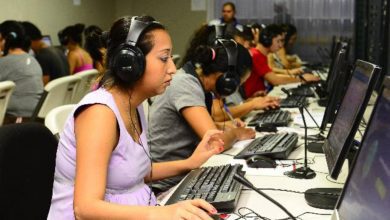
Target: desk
[293, 202]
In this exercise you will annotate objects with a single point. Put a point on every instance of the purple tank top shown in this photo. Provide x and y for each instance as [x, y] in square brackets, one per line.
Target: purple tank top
[126, 170]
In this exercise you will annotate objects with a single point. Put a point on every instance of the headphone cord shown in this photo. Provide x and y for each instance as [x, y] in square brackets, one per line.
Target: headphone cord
[142, 145]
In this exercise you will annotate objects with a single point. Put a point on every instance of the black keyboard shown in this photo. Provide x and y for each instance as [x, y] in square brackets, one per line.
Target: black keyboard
[213, 184]
[293, 101]
[303, 91]
[276, 118]
[276, 146]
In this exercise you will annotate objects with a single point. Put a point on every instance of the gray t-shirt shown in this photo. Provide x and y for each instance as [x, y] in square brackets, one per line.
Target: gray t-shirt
[26, 73]
[171, 137]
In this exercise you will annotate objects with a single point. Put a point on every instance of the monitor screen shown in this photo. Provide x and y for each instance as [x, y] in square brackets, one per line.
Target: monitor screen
[336, 91]
[349, 114]
[47, 40]
[366, 194]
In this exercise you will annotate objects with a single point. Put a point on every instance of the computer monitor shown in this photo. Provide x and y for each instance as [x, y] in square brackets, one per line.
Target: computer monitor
[337, 90]
[366, 194]
[47, 40]
[330, 80]
[349, 115]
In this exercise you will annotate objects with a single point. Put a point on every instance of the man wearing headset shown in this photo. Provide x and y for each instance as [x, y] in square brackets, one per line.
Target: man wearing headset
[270, 41]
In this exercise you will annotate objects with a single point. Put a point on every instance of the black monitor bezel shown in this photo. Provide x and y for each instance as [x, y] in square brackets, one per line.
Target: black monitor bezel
[335, 168]
[385, 85]
[338, 69]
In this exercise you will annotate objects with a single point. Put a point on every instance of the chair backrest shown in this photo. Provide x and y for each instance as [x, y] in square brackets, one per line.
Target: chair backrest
[56, 118]
[87, 78]
[27, 162]
[6, 90]
[57, 92]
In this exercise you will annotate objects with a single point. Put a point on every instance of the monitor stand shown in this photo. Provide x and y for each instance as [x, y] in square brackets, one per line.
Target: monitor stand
[322, 198]
[315, 147]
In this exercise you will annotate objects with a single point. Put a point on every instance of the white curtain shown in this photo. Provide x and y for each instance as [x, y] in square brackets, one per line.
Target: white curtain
[316, 20]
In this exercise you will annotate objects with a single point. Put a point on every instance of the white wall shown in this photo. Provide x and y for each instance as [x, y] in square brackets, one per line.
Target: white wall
[53, 15]
[176, 15]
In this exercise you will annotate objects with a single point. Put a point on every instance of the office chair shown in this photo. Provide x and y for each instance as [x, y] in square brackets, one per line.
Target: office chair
[57, 92]
[27, 162]
[56, 118]
[87, 78]
[6, 90]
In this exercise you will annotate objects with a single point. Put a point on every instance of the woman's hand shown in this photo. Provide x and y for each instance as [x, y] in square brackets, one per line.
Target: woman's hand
[244, 133]
[265, 103]
[211, 144]
[311, 78]
[296, 71]
[197, 209]
[233, 124]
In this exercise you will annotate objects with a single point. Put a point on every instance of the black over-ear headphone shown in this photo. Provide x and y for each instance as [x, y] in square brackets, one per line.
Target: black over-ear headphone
[128, 61]
[229, 81]
[265, 38]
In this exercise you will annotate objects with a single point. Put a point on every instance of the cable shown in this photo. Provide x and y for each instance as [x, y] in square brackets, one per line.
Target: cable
[142, 145]
[332, 181]
[293, 191]
[254, 215]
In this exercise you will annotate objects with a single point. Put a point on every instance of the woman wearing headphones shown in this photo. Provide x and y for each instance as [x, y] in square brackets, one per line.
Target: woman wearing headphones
[21, 68]
[103, 157]
[79, 59]
[187, 103]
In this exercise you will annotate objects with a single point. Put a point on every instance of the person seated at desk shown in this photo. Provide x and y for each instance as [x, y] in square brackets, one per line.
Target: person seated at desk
[102, 165]
[283, 66]
[23, 69]
[182, 115]
[270, 40]
[290, 37]
[52, 60]
[96, 46]
[236, 104]
[79, 59]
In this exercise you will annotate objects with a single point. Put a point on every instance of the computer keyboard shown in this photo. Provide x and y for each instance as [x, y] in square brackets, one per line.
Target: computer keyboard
[303, 91]
[276, 146]
[213, 184]
[276, 118]
[293, 102]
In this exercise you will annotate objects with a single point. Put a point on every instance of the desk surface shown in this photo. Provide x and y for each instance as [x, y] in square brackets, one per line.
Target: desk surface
[271, 178]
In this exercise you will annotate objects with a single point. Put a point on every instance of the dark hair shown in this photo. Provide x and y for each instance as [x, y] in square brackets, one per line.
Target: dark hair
[73, 33]
[244, 60]
[32, 31]
[117, 37]
[14, 35]
[231, 4]
[290, 31]
[203, 56]
[204, 35]
[273, 30]
[95, 39]
[246, 33]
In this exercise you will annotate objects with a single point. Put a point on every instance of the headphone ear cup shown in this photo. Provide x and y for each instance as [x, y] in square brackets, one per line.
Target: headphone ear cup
[128, 64]
[227, 84]
[265, 39]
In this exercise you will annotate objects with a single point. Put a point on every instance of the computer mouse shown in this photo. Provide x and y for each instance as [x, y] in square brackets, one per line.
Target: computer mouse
[266, 128]
[258, 161]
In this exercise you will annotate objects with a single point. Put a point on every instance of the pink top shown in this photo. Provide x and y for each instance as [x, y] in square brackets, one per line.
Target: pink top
[83, 67]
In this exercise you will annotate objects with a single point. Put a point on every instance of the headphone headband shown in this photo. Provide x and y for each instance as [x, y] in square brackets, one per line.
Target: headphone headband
[136, 29]
[231, 50]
